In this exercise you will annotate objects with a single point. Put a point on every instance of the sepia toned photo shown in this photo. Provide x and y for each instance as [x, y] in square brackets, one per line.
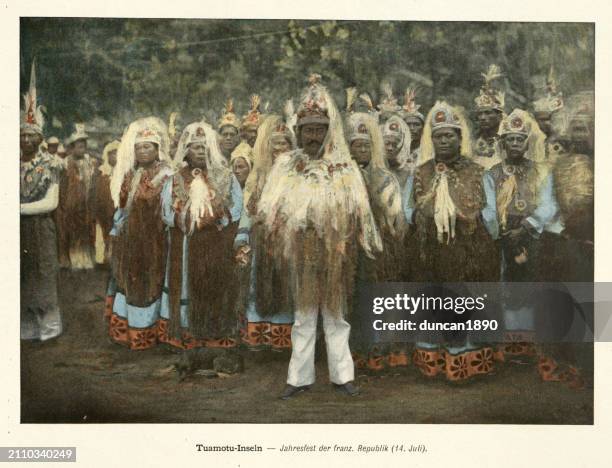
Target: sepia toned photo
[203, 203]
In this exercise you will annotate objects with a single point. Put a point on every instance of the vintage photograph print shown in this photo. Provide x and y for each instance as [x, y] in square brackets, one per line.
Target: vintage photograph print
[204, 202]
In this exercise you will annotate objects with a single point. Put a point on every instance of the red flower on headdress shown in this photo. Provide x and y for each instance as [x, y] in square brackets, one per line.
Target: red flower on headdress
[147, 132]
[516, 122]
[440, 117]
[30, 115]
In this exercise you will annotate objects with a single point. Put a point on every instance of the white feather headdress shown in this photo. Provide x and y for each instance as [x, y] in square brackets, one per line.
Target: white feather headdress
[396, 126]
[441, 115]
[106, 168]
[150, 128]
[218, 170]
[523, 123]
[336, 204]
[32, 116]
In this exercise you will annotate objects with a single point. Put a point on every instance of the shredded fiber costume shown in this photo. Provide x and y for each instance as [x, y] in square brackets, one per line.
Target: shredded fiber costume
[202, 208]
[453, 210]
[315, 214]
[139, 238]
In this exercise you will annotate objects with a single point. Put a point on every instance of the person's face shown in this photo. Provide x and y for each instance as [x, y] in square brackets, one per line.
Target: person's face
[79, 148]
[581, 136]
[146, 153]
[543, 120]
[488, 120]
[229, 139]
[241, 170]
[446, 142]
[515, 145]
[196, 155]
[361, 151]
[112, 157]
[280, 145]
[62, 154]
[392, 149]
[312, 137]
[52, 148]
[29, 141]
[416, 129]
[250, 135]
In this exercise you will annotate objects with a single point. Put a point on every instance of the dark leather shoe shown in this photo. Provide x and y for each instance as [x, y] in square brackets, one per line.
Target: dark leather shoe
[290, 391]
[348, 388]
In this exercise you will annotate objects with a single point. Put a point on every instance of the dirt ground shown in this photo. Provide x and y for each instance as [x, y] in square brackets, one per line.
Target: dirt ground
[83, 377]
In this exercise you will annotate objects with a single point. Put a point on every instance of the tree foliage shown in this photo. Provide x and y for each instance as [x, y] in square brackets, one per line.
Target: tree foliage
[118, 69]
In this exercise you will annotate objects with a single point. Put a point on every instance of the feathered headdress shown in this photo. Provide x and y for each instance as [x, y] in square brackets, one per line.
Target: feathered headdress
[200, 132]
[290, 119]
[357, 128]
[78, 134]
[289, 111]
[388, 102]
[523, 123]
[396, 127]
[262, 155]
[229, 117]
[351, 94]
[32, 116]
[353, 99]
[253, 117]
[335, 206]
[410, 107]
[365, 97]
[244, 151]
[105, 167]
[489, 97]
[218, 172]
[314, 104]
[553, 101]
[361, 125]
[384, 188]
[443, 115]
[149, 129]
[172, 130]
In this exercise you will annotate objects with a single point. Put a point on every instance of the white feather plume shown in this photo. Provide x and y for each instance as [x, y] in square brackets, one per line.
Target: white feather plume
[200, 196]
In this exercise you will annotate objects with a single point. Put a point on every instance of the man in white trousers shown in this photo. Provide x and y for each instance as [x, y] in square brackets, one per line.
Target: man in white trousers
[315, 216]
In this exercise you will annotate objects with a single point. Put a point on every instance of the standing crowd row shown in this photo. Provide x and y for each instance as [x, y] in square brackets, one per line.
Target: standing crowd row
[244, 233]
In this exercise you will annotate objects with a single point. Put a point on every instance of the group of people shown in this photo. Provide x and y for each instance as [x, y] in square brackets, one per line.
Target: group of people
[243, 233]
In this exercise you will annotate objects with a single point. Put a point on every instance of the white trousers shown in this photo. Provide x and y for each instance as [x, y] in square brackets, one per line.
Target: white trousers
[41, 326]
[303, 338]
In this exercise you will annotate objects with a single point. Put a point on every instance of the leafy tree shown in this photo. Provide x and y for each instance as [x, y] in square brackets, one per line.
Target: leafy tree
[118, 69]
